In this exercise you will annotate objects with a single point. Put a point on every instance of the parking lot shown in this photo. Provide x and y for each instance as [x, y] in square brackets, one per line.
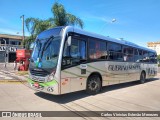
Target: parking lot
[123, 97]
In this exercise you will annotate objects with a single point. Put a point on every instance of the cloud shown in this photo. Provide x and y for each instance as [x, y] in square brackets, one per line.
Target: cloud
[93, 18]
[8, 31]
[12, 31]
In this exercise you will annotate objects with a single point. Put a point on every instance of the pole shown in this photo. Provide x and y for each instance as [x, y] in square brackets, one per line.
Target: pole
[113, 20]
[23, 27]
[5, 53]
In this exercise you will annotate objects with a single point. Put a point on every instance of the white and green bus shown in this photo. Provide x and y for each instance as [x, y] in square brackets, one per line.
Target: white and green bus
[66, 59]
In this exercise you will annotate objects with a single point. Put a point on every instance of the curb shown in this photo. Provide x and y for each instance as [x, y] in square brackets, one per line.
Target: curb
[12, 81]
[17, 78]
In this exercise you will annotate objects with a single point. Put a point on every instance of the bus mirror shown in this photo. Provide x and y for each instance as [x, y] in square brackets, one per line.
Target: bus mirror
[69, 41]
[32, 45]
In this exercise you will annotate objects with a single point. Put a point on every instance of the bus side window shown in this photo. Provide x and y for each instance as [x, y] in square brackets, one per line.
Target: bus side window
[97, 49]
[78, 51]
[115, 52]
[66, 55]
[145, 56]
[75, 53]
[128, 54]
[140, 56]
[152, 57]
[136, 56]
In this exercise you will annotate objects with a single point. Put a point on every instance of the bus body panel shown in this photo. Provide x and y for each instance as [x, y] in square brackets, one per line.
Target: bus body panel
[75, 78]
[72, 80]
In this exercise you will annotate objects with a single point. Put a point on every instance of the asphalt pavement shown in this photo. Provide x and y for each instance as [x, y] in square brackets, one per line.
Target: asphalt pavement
[132, 96]
[122, 97]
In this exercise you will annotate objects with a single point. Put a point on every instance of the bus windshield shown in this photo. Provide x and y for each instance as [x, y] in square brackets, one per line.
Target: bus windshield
[45, 53]
[46, 50]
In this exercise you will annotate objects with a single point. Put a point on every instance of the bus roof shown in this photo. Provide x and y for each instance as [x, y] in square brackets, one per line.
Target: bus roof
[123, 42]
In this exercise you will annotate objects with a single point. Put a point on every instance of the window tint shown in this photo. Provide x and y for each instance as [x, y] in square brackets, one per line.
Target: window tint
[135, 51]
[128, 54]
[97, 49]
[115, 52]
[140, 52]
[128, 57]
[145, 56]
[128, 50]
[136, 55]
[114, 47]
[78, 49]
[152, 57]
[115, 56]
[74, 54]
[139, 57]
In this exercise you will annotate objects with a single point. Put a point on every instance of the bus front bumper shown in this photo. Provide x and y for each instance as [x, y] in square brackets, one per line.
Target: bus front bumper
[46, 87]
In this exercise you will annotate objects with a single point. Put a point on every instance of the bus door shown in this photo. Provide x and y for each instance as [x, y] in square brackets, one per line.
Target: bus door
[74, 66]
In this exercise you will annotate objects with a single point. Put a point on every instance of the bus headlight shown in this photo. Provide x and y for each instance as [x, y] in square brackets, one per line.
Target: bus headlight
[50, 78]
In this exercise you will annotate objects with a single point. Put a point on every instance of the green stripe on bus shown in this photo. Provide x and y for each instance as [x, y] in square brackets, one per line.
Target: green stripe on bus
[53, 82]
[30, 80]
[74, 74]
[96, 68]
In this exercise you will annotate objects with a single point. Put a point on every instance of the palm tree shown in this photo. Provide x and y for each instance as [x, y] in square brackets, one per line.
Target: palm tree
[62, 18]
[35, 25]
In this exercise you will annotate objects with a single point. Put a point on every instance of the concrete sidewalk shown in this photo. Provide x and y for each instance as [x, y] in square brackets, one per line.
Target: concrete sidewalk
[8, 72]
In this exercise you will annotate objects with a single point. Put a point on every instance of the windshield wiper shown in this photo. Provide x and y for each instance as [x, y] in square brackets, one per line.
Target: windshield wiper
[46, 44]
[39, 46]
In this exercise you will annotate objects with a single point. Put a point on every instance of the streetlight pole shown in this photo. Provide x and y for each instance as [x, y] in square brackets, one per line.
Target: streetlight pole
[5, 53]
[112, 21]
[22, 17]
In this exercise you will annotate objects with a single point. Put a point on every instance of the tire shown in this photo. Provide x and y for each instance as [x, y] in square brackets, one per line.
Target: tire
[94, 85]
[142, 77]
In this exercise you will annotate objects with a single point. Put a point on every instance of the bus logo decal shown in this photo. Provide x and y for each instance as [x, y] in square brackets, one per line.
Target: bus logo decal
[123, 67]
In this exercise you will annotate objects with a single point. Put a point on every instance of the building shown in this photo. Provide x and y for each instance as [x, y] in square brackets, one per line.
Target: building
[154, 46]
[8, 46]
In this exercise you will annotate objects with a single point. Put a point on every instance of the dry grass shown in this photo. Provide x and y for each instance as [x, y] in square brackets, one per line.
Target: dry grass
[21, 73]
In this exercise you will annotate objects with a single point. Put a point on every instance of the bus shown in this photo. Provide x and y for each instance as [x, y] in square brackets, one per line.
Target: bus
[66, 59]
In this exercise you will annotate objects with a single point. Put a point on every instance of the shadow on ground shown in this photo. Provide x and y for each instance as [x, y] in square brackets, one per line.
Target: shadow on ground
[62, 99]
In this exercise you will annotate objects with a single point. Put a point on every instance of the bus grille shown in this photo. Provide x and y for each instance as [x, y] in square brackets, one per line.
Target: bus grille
[39, 73]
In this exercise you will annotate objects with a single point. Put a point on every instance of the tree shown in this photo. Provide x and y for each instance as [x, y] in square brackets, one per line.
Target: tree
[34, 27]
[60, 18]
[158, 58]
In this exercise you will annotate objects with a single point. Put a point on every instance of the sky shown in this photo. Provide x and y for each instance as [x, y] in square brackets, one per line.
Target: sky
[137, 21]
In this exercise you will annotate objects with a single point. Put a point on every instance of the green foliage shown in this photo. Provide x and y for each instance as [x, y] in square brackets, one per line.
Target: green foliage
[36, 26]
[158, 57]
[60, 18]
[28, 40]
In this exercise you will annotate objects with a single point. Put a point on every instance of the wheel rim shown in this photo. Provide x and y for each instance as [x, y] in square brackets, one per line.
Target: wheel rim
[143, 77]
[93, 84]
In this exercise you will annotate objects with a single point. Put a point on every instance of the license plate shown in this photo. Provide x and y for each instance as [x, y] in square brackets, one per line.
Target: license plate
[36, 85]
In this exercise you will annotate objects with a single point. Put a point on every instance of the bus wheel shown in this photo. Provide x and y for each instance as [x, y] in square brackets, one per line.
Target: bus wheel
[142, 77]
[93, 84]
